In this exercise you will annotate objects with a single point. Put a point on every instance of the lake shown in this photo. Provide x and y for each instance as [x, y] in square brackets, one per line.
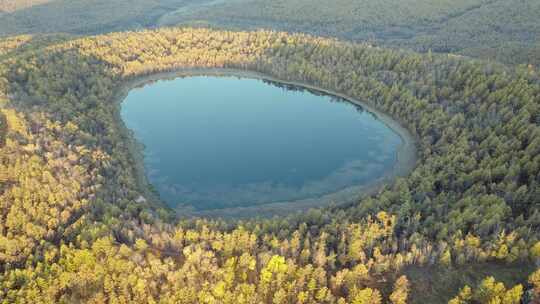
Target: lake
[214, 142]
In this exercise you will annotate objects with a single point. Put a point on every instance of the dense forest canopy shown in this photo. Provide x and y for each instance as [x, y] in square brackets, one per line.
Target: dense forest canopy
[500, 30]
[83, 16]
[72, 228]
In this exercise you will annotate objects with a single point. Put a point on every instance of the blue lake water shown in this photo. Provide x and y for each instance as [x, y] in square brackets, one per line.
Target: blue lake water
[217, 142]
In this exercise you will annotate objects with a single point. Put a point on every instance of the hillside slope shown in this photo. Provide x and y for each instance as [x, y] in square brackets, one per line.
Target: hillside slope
[87, 16]
[503, 30]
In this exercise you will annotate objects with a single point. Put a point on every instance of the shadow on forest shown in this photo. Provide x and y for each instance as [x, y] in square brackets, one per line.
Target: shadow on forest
[435, 284]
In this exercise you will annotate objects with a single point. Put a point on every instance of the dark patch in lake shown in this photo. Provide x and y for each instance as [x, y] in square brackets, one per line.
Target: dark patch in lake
[218, 142]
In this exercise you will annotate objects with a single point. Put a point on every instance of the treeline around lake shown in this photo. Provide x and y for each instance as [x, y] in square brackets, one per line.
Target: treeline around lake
[74, 227]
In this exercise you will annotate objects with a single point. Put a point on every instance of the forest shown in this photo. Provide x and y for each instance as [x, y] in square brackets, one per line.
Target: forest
[499, 30]
[72, 229]
[496, 30]
[82, 16]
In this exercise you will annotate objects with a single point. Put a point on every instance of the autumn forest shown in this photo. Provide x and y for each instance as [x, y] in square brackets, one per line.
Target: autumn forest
[462, 227]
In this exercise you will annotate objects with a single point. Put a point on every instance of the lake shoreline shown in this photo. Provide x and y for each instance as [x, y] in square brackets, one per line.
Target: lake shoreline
[406, 154]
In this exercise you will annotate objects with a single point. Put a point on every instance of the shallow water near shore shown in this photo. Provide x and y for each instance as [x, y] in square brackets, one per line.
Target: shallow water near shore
[224, 142]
